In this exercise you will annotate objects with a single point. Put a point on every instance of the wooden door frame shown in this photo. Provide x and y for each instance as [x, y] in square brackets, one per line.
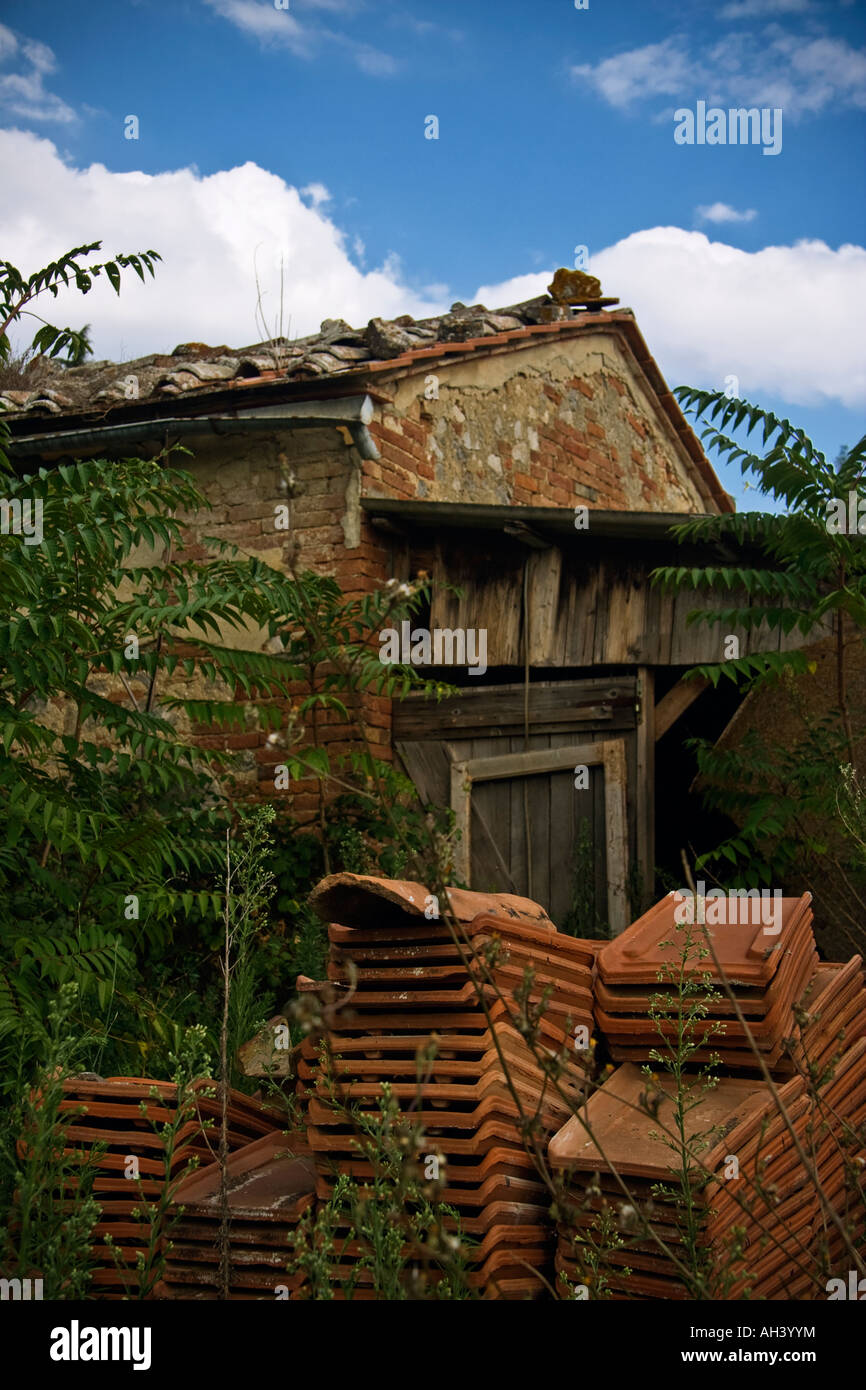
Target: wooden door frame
[609, 754]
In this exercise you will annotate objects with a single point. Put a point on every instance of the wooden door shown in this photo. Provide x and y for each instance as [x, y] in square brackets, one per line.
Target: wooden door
[533, 827]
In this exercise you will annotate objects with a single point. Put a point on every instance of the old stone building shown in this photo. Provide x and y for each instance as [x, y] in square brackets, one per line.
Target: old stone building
[468, 445]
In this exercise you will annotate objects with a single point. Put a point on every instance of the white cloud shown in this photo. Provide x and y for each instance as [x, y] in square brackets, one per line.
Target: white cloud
[657, 69]
[829, 69]
[425, 28]
[278, 28]
[783, 319]
[338, 6]
[8, 43]
[370, 60]
[210, 231]
[23, 94]
[723, 212]
[513, 291]
[267, 24]
[800, 75]
[317, 194]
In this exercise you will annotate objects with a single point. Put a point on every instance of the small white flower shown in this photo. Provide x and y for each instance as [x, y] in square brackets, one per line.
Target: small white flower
[627, 1217]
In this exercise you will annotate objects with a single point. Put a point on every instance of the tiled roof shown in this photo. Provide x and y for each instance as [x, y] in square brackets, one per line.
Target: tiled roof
[338, 360]
[336, 350]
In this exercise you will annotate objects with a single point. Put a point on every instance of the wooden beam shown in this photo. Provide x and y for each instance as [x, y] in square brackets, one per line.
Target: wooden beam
[531, 764]
[678, 699]
[526, 535]
[616, 833]
[489, 710]
[645, 777]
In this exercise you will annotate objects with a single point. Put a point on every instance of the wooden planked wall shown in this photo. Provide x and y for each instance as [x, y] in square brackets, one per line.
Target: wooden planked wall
[600, 610]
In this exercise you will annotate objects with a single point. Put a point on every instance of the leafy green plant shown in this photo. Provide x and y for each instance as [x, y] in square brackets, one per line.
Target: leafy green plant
[158, 1217]
[19, 291]
[111, 820]
[799, 572]
[404, 1243]
[249, 887]
[583, 917]
[46, 1195]
[591, 1251]
[811, 570]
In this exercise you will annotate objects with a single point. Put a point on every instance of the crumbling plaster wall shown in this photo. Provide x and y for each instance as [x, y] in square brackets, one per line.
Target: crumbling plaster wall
[556, 424]
[245, 476]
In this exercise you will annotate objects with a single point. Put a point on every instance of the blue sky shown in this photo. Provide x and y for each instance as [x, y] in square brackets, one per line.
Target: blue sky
[298, 134]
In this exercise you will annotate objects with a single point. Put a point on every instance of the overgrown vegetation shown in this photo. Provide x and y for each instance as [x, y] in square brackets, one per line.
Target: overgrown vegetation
[389, 1234]
[47, 1208]
[806, 576]
[121, 856]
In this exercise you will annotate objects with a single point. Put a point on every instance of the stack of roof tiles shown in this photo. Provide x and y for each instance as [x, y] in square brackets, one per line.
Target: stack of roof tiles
[829, 1048]
[270, 1184]
[806, 1018]
[440, 1016]
[769, 1193]
[114, 1121]
[409, 983]
[764, 965]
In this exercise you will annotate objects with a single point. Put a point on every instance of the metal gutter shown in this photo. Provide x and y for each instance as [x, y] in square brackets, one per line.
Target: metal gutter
[353, 412]
[536, 521]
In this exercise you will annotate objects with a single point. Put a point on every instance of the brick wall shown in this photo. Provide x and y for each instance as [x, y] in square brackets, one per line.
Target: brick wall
[556, 425]
[243, 478]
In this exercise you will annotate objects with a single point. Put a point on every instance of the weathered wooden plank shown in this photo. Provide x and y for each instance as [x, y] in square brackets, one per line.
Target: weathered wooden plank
[490, 600]
[540, 832]
[606, 577]
[675, 703]
[664, 630]
[616, 838]
[544, 573]
[626, 621]
[606, 701]
[489, 868]
[693, 642]
[599, 842]
[583, 613]
[429, 766]
[501, 617]
[517, 842]
[536, 761]
[592, 610]
[644, 798]
[566, 801]
[533, 763]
